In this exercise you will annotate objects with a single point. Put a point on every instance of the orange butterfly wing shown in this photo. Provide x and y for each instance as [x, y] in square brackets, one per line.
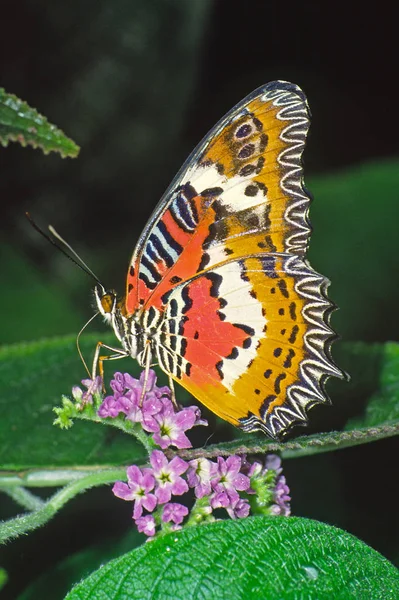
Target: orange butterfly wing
[245, 323]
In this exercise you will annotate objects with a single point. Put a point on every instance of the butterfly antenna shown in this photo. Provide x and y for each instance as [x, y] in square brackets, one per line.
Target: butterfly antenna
[79, 262]
[78, 345]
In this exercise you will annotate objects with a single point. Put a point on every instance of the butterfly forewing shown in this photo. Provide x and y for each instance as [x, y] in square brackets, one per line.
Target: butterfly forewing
[244, 318]
[240, 192]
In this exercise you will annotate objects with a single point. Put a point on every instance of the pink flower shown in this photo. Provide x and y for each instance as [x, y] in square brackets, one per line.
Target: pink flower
[171, 425]
[239, 510]
[199, 476]
[167, 476]
[229, 479]
[110, 407]
[140, 483]
[174, 512]
[93, 386]
[146, 525]
[281, 498]
[128, 399]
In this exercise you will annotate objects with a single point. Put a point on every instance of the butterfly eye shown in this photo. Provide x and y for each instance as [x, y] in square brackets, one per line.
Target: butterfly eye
[107, 302]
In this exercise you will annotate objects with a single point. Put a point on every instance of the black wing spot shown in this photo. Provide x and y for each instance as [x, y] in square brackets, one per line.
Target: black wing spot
[251, 190]
[233, 354]
[288, 360]
[292, 309]
[264, 139]
[196, 335]
[186, 299]
[294, 333]
[267, 373]
[131, 271]
[277, 383]
[277, 352]
[246, 328]
[243, 131]
[246, 151]
[258, 124]
[219, 368]
[257, 392]
[175, 279]
[173, 307]
[216, 281]
[204, 261]
[247, 170]
[259, 166]
[269, 242]
[282, 286]
[215, 191]
[183, 347]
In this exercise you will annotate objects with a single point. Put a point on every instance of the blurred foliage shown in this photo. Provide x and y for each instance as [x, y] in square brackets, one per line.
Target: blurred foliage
[355, 243]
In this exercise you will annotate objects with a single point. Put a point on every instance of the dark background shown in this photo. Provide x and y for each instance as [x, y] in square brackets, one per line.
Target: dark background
[136, 84]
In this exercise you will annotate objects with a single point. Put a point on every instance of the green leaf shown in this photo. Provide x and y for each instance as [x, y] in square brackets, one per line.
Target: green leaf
[20, 123]
[257, 557]
[33, 377]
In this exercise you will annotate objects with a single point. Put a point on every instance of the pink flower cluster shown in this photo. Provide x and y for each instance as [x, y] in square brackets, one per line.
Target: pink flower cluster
[154, 410]
[154, 486]
[233, 484]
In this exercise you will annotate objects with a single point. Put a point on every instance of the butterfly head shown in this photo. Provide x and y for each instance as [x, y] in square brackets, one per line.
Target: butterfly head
[126, 329]
[106, 302]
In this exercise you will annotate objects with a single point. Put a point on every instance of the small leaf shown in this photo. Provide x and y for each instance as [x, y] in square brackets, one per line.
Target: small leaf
[20, 123]
[258, 557]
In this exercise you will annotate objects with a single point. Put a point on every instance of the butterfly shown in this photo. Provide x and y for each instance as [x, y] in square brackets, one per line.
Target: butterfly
[219, 292]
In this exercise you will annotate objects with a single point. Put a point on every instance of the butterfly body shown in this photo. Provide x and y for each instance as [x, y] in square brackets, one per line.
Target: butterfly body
[219, 291]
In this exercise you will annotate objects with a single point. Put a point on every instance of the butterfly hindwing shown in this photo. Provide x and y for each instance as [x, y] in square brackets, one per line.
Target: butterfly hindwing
[250, 339]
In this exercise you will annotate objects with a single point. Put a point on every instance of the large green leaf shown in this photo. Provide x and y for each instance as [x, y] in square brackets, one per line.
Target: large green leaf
[21, 123]
[254, 558]
[33, 377]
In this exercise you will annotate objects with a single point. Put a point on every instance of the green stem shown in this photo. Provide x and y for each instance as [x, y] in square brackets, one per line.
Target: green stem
[15, 527]
[25, 498]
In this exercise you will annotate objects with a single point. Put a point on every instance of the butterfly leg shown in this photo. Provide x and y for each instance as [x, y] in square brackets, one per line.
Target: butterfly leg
[172, 393]
[98, 359]
[147, 365]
